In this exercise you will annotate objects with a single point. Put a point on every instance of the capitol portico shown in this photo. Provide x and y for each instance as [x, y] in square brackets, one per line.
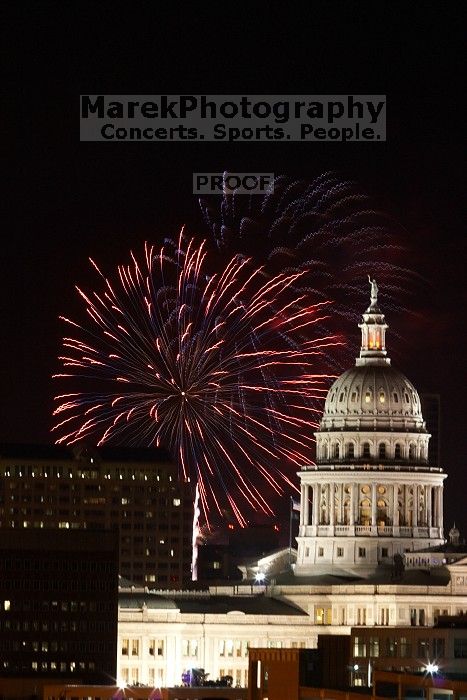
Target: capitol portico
[372, 494]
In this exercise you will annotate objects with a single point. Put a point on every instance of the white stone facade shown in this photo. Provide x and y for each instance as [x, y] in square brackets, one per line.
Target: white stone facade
[371, 494]
[160, 644]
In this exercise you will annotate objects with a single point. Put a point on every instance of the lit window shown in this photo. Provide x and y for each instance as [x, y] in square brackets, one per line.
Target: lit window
[226, 647]
[6, 605]
[368, 397]
[176, 502]
[359, 646]
[354, 396]
[382, 397]
[323, 616]
[156, 647]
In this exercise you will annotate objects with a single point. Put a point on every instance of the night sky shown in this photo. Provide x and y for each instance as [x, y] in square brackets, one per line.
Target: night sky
[67, 200]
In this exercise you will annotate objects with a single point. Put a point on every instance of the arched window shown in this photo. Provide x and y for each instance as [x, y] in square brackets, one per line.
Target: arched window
[325, 450]
[367, 396]
[366, 449]
[396, 397]
[398, 451]
[412, 452]
[351, 450]
[365, 512]
[381, 513]
[336, 450]
[382, 450]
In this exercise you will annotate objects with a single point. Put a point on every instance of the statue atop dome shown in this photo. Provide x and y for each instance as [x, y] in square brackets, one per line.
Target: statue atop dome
[374, 291]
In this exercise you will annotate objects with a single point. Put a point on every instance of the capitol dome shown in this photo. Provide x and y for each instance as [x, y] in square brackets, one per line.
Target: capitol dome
[373, 410]
[372, 493]
[374, 396]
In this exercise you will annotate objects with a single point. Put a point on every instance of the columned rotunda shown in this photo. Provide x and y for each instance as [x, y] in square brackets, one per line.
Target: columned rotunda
[371, 494]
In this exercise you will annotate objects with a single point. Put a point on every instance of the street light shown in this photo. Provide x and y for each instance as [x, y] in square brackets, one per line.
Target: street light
[432, 668]
[259, 577]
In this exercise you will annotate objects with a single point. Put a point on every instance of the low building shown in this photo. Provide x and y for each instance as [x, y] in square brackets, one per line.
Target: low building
[440, 650]
[162, 635]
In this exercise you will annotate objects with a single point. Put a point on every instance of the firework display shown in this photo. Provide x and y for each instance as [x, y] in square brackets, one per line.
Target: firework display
[328, 226]
[221, 367]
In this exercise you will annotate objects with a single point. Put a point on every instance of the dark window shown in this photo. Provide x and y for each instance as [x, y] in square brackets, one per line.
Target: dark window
[460, 648]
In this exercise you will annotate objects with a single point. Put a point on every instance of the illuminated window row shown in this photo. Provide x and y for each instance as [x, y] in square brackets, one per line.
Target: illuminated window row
[72, 606]
[133, 647]
[46, 666]
[55, 626]
[59, 472]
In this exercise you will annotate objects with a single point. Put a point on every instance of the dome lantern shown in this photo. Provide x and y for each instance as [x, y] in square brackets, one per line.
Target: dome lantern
[373, 327]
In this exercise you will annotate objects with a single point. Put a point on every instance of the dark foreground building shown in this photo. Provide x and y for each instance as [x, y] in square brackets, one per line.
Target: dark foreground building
[58, 606]
[136, 492]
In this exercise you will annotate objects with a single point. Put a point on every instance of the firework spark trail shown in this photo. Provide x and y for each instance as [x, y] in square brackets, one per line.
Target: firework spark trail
[205, 365]
[327, 226]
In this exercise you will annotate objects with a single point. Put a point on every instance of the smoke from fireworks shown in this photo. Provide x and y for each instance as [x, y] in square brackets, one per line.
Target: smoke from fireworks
[222, 370]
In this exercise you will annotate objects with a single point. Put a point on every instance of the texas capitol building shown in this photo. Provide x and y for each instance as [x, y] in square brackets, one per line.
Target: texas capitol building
[371, 550]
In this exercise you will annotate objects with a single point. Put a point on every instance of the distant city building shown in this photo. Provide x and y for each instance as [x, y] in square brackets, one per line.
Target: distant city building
[136, 492]
[58, 606]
